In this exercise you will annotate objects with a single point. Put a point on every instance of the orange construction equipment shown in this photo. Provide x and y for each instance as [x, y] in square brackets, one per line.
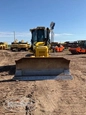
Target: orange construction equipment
[80, 49]
[59, 49]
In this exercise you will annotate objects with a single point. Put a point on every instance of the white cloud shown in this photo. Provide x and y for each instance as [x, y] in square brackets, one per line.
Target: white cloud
[17, 34]
[63, 34]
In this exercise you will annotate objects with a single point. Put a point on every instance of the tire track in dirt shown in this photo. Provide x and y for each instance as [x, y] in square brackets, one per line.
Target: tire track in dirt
[21, 93]
[47, 96]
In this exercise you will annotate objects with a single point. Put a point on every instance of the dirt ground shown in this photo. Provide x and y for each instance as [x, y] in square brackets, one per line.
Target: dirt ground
[47, 97]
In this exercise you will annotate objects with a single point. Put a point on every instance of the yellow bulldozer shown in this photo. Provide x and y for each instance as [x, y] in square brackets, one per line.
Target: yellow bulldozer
[41, 65]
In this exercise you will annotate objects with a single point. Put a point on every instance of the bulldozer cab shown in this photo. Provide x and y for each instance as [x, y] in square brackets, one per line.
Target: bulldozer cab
[40, 34]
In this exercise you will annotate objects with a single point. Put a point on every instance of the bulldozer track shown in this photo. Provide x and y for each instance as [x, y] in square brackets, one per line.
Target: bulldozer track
[48, 96]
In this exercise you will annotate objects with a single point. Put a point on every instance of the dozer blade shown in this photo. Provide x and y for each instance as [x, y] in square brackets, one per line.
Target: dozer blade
[42, 68]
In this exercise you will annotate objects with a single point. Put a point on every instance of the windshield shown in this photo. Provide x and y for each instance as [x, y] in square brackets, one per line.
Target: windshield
[40, 35]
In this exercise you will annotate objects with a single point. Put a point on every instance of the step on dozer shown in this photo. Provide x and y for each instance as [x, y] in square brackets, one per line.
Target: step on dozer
[42, 68]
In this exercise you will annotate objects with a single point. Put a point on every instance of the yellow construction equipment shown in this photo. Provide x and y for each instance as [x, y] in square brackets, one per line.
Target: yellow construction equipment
[3, 45]
[41, 66]
[14, 45]
[23, 45]
[18, 46]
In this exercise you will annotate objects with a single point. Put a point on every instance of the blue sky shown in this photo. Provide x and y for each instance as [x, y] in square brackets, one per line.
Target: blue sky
[21, 15]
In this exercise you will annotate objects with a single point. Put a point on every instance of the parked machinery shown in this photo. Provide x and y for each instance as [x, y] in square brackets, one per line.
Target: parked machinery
[80, 48]
[3, 45]
[57, 47]
[18, 46]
